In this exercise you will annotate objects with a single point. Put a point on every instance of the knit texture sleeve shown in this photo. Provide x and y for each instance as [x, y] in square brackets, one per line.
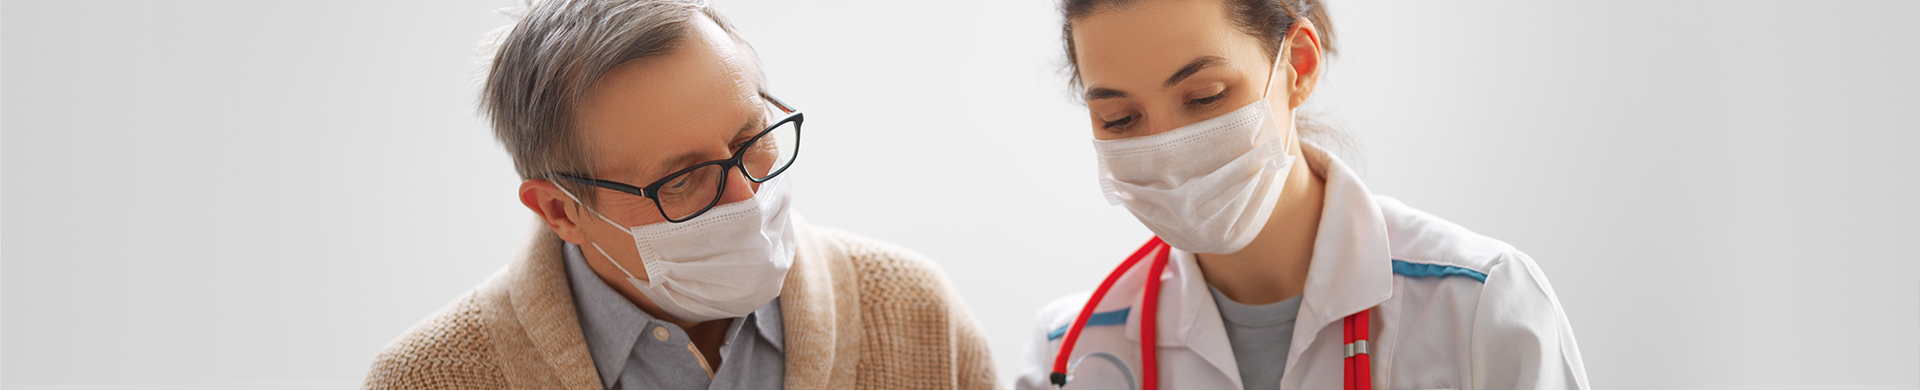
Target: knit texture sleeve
[974, 362]
[448, 350]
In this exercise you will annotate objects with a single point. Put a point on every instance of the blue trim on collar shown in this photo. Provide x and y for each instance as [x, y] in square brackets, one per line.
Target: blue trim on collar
[1411, 269]
[1109, 318]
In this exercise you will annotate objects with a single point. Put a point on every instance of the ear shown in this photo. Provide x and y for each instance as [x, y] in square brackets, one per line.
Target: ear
[560, 212]
[1304, 61]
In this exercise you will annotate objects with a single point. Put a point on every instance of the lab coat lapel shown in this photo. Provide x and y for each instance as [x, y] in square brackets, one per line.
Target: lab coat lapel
[1351, 268]
[1188, 317]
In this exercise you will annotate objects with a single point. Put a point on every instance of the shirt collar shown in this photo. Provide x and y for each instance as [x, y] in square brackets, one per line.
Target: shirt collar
[767, 319]
[612, 325]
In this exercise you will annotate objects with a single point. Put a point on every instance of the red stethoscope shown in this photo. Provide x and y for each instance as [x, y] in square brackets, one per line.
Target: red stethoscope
[1354, 329]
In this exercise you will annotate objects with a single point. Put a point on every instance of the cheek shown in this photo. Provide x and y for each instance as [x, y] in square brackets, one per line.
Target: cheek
[627, 211]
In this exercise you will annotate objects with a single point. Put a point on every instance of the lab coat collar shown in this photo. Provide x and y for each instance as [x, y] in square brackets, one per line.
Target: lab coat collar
[1351, 269]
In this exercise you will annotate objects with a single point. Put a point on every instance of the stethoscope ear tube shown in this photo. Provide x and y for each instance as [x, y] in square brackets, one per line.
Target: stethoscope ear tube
[1059, 375]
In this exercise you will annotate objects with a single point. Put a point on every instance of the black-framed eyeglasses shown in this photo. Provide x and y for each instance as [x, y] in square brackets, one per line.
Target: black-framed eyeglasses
[685, 194]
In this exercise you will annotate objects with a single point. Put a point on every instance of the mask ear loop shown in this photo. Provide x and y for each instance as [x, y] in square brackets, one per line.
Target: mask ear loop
[596, 244]
[596, 214]
[1274, 70]
[1293, 115]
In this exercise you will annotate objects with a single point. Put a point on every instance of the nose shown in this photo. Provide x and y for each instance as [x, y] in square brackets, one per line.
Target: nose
[738, 188]
[1158, 126]
[1167, 119]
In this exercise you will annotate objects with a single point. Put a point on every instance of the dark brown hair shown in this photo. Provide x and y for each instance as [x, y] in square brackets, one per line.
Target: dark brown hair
[1268, 20]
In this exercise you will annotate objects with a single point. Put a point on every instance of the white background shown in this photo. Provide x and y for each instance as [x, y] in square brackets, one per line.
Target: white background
[263, 194]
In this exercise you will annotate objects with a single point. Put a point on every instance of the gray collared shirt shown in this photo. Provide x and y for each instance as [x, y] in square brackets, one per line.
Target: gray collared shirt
[635, 351]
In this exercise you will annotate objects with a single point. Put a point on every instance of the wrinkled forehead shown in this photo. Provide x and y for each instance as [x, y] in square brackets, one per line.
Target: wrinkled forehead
[644, 115]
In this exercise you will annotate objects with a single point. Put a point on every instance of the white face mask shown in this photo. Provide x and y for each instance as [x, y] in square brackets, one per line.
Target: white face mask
[1207, 187]
[724, 264]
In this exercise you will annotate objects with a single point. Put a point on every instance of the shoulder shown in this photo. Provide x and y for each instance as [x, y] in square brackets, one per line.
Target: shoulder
[896, 288]
[918, 332]
[876, 264]
[1059, 313]
[448, 350]
[1485, 278]
[1470, 266]
[1491, 293]
[1049, 326]
[1419, 238]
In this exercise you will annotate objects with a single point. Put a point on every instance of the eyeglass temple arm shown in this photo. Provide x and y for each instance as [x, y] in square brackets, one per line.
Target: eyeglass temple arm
[777, 103]
[615, 186]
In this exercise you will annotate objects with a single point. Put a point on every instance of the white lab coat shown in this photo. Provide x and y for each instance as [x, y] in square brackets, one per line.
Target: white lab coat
[1436, 324]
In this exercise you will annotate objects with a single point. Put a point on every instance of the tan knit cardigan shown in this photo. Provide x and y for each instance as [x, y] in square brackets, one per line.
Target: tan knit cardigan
[859, 314]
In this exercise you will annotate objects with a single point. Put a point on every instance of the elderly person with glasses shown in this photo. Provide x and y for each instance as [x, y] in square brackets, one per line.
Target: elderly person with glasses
[668, 256]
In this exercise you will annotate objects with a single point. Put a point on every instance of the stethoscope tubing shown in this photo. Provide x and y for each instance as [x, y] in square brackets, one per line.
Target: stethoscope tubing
[1357, 363]
[1059, 375]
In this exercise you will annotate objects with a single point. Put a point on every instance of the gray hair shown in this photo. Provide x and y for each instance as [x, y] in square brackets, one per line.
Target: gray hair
[541, 66]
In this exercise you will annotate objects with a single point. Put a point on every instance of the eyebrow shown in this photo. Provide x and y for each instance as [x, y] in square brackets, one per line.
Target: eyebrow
[689, 158]
[1192, 67]
[1098, 93]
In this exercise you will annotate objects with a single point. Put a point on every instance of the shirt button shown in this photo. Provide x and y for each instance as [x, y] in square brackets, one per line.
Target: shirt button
[660, 333]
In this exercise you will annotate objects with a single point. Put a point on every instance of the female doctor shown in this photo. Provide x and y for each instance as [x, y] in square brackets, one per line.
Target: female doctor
[1273, 266]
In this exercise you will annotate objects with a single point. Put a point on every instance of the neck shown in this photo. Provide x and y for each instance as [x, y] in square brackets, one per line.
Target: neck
[1274, 266]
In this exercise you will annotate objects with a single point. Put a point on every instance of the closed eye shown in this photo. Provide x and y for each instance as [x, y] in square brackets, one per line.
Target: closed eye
[1122, 122]
[1207, 100]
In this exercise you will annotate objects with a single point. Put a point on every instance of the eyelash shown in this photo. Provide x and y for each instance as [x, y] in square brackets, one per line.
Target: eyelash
[1207, 100]
[1190, 102]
